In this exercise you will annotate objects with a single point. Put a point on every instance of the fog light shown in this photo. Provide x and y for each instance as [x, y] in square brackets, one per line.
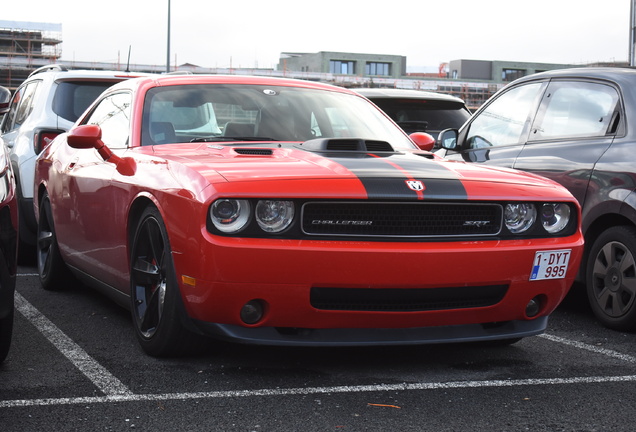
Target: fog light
[252, 312]
[533, 307]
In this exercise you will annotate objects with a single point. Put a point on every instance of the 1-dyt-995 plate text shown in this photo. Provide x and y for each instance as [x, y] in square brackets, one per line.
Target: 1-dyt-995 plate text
[550, 264]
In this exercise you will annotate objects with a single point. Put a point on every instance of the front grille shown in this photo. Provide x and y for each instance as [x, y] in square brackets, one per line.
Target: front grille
[406, 300]
[392, 219]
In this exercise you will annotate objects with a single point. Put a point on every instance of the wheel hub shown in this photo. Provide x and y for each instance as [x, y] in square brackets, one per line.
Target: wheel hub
[613, 279]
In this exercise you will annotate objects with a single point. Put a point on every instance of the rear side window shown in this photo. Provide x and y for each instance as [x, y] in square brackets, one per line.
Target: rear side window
[73, 97]
[575, 109]
[21, 106]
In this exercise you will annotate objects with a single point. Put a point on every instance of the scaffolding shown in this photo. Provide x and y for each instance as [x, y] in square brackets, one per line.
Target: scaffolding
[26, 46]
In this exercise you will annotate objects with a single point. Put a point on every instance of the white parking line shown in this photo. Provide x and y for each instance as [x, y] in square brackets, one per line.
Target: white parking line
[315, 390]
[116, 391]
[95, 372]
[588, 347]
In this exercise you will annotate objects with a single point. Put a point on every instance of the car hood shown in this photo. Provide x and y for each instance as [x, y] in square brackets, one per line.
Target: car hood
[395, 174]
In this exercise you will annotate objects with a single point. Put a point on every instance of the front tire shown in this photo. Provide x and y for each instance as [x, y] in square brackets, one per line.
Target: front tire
[611, 278]
[157, 309]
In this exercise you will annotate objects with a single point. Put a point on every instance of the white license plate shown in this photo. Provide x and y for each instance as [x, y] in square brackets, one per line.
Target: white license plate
[550, 264]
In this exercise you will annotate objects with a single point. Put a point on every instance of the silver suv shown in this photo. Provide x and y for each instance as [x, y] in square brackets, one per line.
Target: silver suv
[46, 104]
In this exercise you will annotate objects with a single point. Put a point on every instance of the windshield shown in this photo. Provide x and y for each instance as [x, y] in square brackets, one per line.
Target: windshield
[219, 112]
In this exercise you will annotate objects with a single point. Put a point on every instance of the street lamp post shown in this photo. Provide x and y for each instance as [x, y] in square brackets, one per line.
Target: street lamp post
[168, 42]
[632, 34]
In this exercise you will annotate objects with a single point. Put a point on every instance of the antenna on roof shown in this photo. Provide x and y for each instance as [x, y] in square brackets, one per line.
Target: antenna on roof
[128, 62]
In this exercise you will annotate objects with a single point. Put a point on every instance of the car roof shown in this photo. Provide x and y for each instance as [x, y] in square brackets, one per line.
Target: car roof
[612, 73]
[61, 72]
[385, 93]
[184, 79]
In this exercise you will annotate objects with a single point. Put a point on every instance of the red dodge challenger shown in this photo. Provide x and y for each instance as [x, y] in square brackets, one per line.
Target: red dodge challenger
[285, 212]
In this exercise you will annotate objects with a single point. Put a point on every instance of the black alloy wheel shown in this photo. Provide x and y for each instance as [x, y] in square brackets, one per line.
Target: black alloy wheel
[611, 278]
[51, 267]
[156, 302]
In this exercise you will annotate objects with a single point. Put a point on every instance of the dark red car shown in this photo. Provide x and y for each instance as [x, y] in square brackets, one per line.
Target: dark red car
[8, 239]
[279, 212]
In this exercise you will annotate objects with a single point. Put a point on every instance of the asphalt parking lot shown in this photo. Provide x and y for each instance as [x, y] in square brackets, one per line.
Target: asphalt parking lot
[75, 365]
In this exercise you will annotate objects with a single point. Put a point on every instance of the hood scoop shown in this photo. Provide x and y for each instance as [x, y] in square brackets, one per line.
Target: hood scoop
[347, 145]
[254, 151]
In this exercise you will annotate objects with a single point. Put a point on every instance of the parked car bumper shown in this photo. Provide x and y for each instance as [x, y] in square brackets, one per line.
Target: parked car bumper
[286, 276]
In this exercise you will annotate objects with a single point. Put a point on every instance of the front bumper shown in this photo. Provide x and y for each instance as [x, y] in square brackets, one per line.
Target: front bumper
[282, 275]
[376, 336]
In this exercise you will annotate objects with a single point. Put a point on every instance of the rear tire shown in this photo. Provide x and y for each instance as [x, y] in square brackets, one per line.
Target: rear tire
[157, 308]
[611, 278]
[53, 272]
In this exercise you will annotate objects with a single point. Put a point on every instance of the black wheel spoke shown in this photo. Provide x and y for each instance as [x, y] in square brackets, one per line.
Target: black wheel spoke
[148, 277]
[614, 279]
[45, 240]
[153, 311]
[145, 272]
[157, 247]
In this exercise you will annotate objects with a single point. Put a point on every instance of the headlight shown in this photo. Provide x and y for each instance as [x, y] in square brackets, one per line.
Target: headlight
[555, 217]
[274, 216]
[519, 217]
[230, 215]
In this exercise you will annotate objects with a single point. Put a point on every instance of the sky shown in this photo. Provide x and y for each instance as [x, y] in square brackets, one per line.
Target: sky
[254, 33]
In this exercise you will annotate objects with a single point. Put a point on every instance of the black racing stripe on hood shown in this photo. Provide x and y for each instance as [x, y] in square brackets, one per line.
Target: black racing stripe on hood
[386, 176]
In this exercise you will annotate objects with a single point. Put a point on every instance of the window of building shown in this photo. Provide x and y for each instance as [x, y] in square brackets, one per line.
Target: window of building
[374, 68]
[508, 75]
[344, 67]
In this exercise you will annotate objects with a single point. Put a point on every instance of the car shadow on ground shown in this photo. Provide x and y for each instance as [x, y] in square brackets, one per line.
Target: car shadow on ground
[576, 300]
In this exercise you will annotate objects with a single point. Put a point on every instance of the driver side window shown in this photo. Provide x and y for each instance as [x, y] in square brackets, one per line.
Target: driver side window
[506, 120]
[112, 115]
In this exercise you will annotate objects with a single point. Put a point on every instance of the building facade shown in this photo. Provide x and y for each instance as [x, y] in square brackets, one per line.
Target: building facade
[25, 46]
[340, 63]
[497, 71]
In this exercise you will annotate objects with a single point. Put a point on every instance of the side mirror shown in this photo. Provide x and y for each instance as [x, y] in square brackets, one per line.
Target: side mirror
[90, 136]
[447, 139]
[423, 140]
[85, 137]
[5, 100]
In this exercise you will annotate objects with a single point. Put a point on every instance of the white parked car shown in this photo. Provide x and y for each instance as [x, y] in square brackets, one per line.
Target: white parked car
[46, 104]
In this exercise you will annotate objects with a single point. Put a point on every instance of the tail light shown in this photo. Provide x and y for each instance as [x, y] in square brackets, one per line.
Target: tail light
[43, 137]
